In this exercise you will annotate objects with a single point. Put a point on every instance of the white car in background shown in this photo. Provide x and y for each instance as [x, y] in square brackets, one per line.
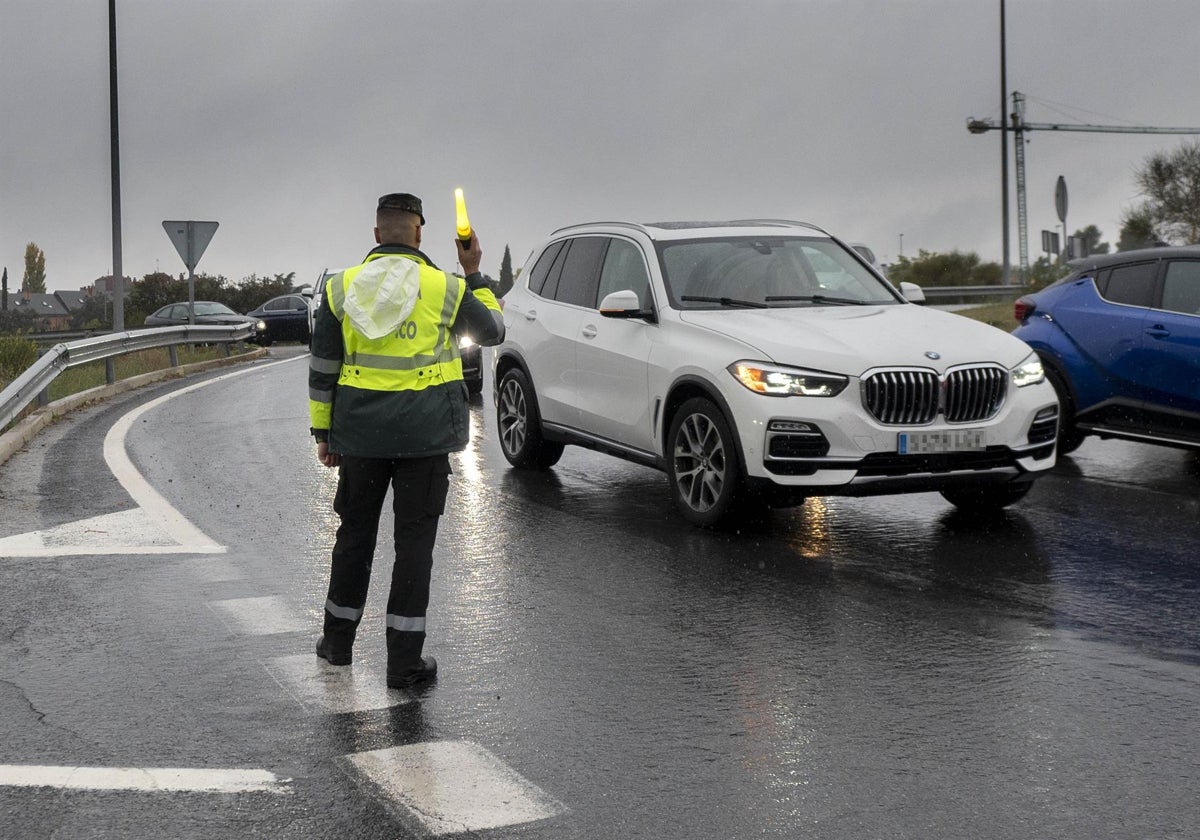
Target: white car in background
[757, 363]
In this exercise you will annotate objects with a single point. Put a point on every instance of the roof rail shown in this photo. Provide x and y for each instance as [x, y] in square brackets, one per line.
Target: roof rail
[809, 225]
[633, 225]
[642, 227]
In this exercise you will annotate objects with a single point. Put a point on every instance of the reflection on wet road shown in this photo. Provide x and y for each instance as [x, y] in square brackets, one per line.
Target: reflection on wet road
[852, 668]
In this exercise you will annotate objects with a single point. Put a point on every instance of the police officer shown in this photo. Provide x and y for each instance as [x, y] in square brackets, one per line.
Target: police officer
[388, 404]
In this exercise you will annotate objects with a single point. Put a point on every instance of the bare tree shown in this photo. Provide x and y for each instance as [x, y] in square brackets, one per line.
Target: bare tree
[1171, 183]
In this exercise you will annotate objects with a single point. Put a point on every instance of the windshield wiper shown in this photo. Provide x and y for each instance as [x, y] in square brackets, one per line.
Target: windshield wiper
[819, 299]
[725, 301]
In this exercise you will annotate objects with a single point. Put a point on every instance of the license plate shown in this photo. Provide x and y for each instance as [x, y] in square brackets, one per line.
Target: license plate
[950, 440]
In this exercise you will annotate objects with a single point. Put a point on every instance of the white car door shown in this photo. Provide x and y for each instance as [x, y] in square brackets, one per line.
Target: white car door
[611, 355]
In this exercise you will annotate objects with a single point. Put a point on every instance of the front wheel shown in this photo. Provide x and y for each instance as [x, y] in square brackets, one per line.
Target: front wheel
[988, 498]
[1069, 437]
[703, 467]
[520, 425]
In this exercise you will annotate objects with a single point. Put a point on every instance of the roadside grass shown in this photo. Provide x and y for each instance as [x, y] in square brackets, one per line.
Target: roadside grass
[999, 315]
[93, 375]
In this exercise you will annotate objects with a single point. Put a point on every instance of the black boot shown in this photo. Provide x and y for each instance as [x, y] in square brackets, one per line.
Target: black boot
[423, 671]
[334, 654]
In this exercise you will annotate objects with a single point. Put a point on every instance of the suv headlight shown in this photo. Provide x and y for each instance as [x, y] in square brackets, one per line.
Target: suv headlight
[1029, 372]
[777, 381]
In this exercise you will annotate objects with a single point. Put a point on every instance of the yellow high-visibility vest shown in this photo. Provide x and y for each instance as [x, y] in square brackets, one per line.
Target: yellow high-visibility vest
[420, 352]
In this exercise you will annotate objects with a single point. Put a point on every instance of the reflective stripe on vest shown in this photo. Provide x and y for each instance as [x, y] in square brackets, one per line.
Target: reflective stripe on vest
[367, 364]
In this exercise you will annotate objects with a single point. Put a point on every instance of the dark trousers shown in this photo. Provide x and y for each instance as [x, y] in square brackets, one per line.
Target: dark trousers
[419, 489]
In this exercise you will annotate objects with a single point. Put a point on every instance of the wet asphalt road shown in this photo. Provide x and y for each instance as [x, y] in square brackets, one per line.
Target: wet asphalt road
[856, 668]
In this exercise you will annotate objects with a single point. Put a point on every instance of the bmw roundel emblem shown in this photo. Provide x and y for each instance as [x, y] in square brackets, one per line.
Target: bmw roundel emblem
[929, 354]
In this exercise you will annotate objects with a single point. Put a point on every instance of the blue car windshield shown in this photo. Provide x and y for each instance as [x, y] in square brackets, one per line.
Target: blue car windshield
[755, 271]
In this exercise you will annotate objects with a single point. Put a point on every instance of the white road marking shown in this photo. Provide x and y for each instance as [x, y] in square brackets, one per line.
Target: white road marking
[451, 787]
[156, 779]
[259, 616]
[349, 688]
[153, 527]
[124, 532]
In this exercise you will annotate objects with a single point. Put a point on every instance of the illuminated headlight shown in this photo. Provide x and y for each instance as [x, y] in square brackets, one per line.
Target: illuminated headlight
[1029, 372]
[465, 341]
[776, 381]
[261, 326]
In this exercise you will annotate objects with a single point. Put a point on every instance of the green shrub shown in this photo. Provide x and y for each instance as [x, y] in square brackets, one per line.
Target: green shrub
[16, 355]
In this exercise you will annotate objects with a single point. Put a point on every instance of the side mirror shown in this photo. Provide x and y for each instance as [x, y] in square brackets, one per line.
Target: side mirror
[913, 293]
[624, 304]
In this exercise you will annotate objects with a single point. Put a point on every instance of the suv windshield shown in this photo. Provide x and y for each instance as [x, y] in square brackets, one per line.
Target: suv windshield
[766, 271]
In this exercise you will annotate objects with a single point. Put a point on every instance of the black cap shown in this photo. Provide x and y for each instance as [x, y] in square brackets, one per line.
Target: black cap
[401, 201]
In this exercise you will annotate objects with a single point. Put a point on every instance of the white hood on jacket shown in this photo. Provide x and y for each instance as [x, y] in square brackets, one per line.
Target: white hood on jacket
[382, 295]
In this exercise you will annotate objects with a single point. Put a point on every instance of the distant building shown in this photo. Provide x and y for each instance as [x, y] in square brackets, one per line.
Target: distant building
[52, 312]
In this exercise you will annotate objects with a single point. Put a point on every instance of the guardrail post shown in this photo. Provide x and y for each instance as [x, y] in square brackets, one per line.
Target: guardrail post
[225, 348]
[110, 370]
[173, 352]
[43, 398]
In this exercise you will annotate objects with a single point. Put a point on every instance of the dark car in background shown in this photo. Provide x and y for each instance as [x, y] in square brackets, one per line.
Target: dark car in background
[206, 312]
[1120, 341]
[472, 363]
[285, 318]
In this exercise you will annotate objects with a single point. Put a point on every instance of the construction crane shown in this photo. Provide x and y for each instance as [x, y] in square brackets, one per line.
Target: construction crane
[1018, 127]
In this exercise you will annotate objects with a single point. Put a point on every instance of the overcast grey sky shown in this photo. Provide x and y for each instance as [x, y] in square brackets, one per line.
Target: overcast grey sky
[284, 121]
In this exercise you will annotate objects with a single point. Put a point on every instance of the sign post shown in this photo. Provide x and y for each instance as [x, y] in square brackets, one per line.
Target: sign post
[1060, 204]
[190, 238]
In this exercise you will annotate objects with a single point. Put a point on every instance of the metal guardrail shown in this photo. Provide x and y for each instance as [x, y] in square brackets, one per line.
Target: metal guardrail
[963, 294]
[34, 383]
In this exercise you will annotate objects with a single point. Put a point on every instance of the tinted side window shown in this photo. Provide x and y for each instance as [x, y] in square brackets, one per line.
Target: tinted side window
[541, 269]
[581, 271]
[1181, 287]
[624, 268]
[1132, 284]
[1102, 280]
[551, 285]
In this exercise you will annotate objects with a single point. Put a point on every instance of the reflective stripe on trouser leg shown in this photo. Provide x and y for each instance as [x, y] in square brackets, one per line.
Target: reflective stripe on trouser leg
[406, 624]
[405, 640]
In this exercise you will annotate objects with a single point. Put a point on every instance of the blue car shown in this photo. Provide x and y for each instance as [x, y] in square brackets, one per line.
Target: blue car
[1119, 338]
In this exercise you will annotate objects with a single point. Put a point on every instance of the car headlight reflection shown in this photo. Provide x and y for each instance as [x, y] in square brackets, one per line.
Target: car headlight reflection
[777, 381]
[1029, 372]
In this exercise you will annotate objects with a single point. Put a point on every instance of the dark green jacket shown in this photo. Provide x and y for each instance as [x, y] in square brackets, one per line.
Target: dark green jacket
[391, 420]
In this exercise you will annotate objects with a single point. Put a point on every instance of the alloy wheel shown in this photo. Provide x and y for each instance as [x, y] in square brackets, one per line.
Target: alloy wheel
[700, 464]
[514, 417]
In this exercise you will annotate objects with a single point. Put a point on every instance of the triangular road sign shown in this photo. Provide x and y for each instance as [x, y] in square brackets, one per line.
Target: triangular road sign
[190, 238]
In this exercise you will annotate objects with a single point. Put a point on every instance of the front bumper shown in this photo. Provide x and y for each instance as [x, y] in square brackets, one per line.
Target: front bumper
[833, 446]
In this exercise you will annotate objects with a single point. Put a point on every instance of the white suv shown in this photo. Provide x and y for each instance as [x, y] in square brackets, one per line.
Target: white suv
[757, 363]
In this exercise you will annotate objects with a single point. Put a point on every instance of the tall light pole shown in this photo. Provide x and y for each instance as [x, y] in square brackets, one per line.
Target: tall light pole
[1005, 271]
[115, 153]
